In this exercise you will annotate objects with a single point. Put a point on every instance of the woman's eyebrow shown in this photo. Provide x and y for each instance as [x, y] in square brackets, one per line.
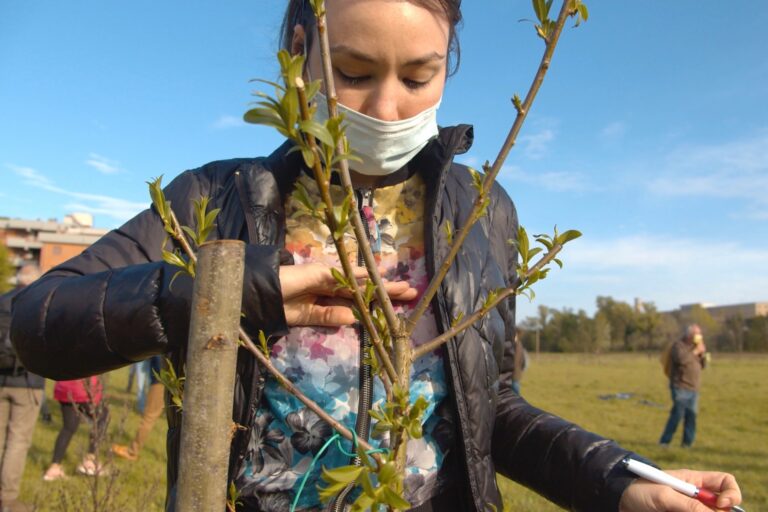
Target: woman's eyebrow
[354, 53]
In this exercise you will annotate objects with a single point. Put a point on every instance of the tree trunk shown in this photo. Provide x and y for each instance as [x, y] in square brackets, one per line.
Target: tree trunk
[210, 377]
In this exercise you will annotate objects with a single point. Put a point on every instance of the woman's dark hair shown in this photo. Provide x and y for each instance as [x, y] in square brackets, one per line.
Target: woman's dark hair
[299, 12]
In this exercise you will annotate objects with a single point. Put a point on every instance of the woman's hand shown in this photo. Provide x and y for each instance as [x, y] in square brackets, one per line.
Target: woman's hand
[310, 296]
[644, 496]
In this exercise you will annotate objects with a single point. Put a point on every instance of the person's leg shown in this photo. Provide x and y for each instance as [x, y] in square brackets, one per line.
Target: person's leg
[131, 376]
[153, 409]
[5, 417]
[142, 383]
[689, 423]
[674, 418]
[70, 421]
[24, 410]
[99, 415]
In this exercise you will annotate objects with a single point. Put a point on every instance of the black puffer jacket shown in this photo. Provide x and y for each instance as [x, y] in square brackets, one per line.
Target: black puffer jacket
[111, 306]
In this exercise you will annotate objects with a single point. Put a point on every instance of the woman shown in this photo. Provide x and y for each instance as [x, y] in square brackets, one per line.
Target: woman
[391, 61]
[79, 398]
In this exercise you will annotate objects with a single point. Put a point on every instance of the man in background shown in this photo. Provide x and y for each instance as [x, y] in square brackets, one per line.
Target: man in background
[21, 394]
[687, 359]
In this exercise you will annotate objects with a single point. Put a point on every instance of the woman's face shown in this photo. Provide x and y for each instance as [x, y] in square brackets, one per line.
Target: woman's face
[389, 56]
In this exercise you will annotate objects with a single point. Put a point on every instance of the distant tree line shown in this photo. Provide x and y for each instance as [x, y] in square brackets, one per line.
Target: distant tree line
[619, 327]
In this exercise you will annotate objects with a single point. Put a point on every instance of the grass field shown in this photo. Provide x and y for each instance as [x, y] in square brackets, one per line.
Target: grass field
[732, 434]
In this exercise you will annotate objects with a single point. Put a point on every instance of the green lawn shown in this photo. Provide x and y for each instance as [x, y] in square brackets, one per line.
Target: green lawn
[733, 430]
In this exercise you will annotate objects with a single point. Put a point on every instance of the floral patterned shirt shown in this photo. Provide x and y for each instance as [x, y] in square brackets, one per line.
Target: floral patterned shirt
[324, 362]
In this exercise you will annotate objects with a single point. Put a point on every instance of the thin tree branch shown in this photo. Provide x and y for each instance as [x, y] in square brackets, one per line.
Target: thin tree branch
[181, 237]
[492, 173]
[291, 388]
[357, 223]
[431, 345]
[330, 219]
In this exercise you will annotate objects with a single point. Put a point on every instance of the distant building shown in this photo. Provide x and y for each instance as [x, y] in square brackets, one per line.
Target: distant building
[48, 243]
[721, 313]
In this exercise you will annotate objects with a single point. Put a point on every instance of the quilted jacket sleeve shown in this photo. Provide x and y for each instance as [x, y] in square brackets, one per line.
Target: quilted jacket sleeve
[566, 464]
[112, 305]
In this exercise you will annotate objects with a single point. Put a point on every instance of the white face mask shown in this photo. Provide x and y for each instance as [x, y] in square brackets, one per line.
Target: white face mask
[384, 146]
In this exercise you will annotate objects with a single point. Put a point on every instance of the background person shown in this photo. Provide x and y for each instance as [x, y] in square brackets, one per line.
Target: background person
[688, 358]
[79, 398]
[153, 408]
[21, 394]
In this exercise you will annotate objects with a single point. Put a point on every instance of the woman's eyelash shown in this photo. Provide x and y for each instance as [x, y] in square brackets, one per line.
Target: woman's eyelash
[351, 80]
[357, 80]
[414, 84]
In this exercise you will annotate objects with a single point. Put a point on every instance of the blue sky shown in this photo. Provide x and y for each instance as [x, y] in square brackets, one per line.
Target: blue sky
[650, 134]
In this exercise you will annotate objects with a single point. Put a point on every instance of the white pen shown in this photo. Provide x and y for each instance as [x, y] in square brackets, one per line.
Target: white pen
[658, 476]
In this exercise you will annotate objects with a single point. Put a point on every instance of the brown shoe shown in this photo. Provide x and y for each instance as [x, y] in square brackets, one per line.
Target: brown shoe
[124, 452]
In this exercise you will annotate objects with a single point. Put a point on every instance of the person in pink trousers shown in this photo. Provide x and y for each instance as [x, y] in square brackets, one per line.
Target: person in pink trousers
[79, 398]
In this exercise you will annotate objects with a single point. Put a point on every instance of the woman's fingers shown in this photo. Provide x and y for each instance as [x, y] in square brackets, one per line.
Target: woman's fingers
[306, 311]
[644, 496]
[723, 484]
[400, 290]
[317, 279]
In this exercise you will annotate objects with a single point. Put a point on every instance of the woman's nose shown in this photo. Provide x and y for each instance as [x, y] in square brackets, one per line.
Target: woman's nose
[382, 104]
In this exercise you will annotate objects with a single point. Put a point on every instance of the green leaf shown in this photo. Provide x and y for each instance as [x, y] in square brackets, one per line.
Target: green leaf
[569, 235]
[344, 474]
[363, 503]
[340, 278]
[174, 259]
[309, 156]
[448, 232]
[523, 243]
[177, 274]
[365, 483]
[263, 343]
[393, 499]
[477, 180]
[190, 233]
[415, 430]
[370, 290]
[387, 473]
[329, 492]
[264, 116]
[517, 102]
[317, 130]
[533, 252]
[559, 263]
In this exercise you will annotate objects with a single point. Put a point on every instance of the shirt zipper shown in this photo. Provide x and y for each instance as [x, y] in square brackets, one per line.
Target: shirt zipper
[365, 395]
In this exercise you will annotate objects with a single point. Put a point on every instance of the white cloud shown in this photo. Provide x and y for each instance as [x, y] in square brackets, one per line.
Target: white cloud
[665, 270]
[732, 170]
[555, 181]
[116, 208]
[226, 121]
[536, 145]
[614, 130]
[103, 164]
[469, 161]
[646, 252]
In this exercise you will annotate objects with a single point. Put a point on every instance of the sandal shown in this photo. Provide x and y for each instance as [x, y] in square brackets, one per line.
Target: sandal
[54, 472]
[90, 467]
